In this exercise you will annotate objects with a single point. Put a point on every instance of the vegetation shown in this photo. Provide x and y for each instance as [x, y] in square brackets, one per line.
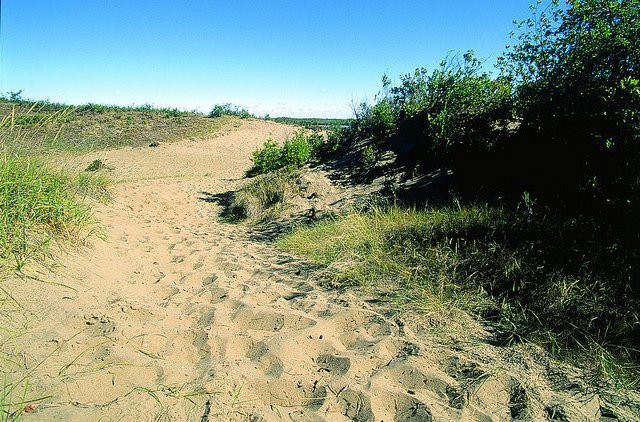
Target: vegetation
[220, 110]
[312, 122]
[39, 204]
[45, 125]
[264, 197]
[543, 240]
[295, 152]
[493, 262]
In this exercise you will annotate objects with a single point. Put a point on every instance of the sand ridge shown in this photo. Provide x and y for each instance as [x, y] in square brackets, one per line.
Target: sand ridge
[177, 315]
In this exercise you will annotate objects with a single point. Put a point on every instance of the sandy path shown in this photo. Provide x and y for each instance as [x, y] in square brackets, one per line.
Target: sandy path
[178, 316]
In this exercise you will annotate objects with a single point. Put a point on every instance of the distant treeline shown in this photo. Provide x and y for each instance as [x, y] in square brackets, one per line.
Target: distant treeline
[313, 122]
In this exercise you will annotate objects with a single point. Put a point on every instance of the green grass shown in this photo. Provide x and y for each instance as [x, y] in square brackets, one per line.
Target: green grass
[47, 126]
[533, 277]
[39, 205]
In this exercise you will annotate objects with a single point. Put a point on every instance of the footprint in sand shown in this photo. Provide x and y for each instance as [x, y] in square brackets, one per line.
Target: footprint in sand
[248, 319]
[336, 365]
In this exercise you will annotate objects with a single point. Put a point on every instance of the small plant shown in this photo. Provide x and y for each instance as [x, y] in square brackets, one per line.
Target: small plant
[95, 165]
[368, 157]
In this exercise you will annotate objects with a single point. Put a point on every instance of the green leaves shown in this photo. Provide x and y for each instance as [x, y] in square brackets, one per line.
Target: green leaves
[295, 152]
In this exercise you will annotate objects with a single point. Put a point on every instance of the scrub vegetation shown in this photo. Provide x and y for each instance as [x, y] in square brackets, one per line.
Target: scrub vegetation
[541, 235]
[52, 126]
[301, 148]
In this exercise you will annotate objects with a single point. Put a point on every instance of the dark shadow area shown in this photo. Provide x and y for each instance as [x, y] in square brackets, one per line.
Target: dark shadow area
[224, 200]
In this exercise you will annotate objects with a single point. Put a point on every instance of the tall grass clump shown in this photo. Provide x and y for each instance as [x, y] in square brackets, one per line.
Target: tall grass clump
[39, 204]
[264, 197]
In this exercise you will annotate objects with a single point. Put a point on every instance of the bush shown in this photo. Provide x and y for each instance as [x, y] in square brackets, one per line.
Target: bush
[220, 110]
[576, 70]
[295, 152]
[268, 158]
[449, 113]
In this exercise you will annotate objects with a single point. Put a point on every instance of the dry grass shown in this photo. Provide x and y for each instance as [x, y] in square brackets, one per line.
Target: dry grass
[264, 197]
[526, 275]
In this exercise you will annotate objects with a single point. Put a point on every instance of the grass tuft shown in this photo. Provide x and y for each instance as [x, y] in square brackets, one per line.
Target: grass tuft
[38, 205]
[264, 197]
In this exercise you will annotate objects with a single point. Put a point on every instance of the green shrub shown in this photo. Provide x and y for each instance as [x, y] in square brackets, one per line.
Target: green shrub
[268, 158]
[297, 150]
[576, 68]
[220, 110]
[453, 111]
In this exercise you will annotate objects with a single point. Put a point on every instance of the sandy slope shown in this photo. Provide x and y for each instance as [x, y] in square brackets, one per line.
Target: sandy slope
[179, 316]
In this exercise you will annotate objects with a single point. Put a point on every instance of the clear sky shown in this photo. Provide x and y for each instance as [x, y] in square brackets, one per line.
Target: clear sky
[282, 57]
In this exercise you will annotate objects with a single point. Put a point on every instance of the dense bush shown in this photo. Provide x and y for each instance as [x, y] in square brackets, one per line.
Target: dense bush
[576, 72]
[454, 110]
[448, 113]
[268, 158]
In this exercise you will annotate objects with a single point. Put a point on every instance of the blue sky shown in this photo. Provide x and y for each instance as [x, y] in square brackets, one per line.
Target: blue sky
[282, 57]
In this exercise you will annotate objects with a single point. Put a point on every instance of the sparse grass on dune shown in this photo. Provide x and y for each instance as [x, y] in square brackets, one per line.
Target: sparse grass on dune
[524, 274]
[46, 126]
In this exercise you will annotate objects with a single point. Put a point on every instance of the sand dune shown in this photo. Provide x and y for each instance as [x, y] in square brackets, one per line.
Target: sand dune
[176, 315]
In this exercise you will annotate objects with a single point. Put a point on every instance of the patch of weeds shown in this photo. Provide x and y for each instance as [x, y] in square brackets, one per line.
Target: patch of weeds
[95, 165]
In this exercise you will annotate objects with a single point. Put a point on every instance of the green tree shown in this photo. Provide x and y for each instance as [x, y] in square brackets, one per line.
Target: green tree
[577, 69]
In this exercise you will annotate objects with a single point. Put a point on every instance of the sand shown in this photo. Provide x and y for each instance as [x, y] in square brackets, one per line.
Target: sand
[177, 315]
